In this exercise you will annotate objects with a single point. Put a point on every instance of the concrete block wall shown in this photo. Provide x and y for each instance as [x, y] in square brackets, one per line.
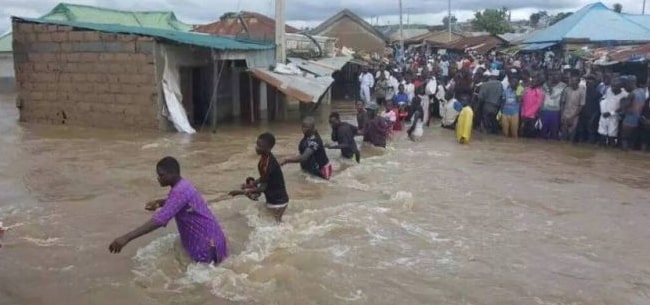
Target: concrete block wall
[84, 78]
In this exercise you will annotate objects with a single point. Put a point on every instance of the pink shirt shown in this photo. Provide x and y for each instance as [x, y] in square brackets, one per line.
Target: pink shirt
[531, 101]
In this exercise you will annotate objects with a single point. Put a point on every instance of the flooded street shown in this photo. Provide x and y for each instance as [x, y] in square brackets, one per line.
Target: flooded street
[496, 222]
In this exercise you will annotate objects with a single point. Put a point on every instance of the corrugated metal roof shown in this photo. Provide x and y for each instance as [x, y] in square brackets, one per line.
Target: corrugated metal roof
[624, 53]
[408, 34]
[84, 13]
[321, 67]
[5, 42]
[537, 46]
[304, 89]
[596, 23]
[352, 16]
[643, 20]
[255, 26]
[92, 14]
[480, 44]
[195, 39]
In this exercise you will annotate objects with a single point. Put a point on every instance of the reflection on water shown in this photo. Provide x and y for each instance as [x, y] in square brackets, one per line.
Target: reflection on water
[494, 222]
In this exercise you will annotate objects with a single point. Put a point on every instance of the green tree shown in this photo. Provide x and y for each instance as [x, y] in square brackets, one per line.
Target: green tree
[618, 8]
[559, 17]
[445, 21]
[536, 17]
[229, 15]
[492, 21]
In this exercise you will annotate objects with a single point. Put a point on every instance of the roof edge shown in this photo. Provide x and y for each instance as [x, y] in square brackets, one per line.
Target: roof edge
[346, 12]
[165, 34]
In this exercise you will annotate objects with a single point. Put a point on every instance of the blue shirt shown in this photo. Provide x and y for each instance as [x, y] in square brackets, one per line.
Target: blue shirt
[511, 105]
[401, 98]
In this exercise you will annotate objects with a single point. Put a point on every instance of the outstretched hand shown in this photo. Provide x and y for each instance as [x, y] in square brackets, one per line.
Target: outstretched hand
[154, 205]
[117, 245]
[236, 193]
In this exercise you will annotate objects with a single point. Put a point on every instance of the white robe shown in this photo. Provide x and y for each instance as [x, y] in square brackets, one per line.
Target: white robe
[409, 89]
[448, 113]
[610, 104]
[367, 81]
[424, 102]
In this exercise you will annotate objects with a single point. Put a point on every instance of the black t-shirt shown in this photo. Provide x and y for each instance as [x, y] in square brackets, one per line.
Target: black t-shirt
[318, 159]
[344, 134]
[271, 175]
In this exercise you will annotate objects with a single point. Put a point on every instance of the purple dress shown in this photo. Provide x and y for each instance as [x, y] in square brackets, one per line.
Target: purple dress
[200, 232]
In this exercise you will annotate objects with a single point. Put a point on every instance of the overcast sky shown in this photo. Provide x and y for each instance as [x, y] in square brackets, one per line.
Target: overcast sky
[311, 12]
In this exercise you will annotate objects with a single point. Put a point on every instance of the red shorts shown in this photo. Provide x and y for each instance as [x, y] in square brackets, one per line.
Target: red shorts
[326, 171]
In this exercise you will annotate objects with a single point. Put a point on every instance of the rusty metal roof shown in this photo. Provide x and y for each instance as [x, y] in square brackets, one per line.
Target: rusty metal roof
[249, 25]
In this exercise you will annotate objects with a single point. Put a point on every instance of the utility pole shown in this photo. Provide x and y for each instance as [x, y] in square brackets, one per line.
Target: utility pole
[401, 32]
[280, 47]
[449, 18]
[643, 9]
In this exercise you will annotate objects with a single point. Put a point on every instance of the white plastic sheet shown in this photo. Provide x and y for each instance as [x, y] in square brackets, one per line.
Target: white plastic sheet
[173, 97]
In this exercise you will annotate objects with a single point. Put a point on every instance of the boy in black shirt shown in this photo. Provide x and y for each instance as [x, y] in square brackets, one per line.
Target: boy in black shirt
[313, 158]
[343, 133]
[271, 181]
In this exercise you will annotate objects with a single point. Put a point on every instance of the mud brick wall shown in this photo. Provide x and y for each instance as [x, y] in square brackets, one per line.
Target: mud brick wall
[85, 78]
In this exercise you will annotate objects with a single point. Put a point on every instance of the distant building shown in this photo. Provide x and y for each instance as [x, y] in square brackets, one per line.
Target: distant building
[7, 80]
[435, 37]
[352, 32]
[248, 25]
[258, 27]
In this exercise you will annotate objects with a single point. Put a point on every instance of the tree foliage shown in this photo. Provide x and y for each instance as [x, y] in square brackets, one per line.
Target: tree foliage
[445, 21]
[536, 17]
[557, 18]
[229, 15]
[618, 8]
[492, 21]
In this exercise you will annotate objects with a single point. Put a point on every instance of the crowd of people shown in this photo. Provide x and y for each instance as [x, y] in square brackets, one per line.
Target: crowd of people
[515, 96]
[534, 96]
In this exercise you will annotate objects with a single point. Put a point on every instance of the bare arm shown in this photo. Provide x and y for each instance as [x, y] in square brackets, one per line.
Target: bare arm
[300, 158]
[119, 243]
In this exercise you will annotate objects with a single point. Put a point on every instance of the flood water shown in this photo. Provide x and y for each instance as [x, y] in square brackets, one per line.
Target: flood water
[494, 222]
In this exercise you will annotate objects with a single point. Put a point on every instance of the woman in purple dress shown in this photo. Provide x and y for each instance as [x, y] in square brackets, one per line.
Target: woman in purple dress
[199, 230]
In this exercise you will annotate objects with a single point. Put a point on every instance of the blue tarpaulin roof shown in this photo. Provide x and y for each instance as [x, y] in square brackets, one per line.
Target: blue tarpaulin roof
[595, 23]
[190, 38]
[537, 46]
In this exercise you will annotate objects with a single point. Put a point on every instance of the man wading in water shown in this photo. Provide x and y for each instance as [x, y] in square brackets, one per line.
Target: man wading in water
[313, 158]
[343, 133]
[271, 181]
[199, 230]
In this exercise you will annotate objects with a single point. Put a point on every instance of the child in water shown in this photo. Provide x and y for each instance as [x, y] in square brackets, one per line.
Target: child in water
[271, 181]
[465, 119]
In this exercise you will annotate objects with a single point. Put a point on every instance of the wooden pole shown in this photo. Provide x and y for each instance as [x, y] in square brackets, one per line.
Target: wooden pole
[250, 88]
[449, 19]
[401, 32]
[215, 90]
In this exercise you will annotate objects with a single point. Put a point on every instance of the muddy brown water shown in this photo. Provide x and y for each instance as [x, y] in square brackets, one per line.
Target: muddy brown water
[494, 222]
